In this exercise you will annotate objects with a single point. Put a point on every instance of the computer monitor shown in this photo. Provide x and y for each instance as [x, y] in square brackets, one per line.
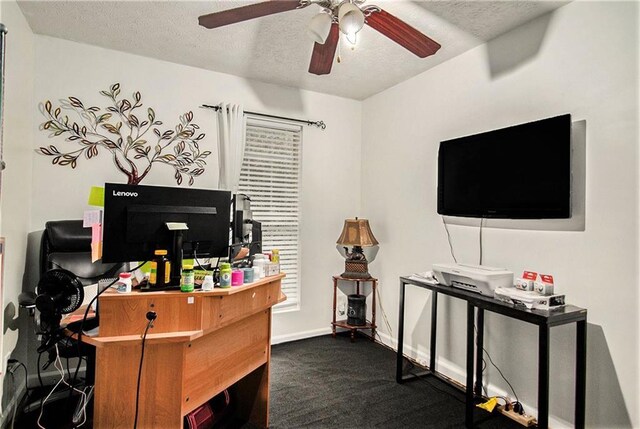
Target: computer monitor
[136, 217]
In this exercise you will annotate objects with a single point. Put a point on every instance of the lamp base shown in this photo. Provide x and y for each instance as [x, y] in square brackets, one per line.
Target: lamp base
[356, 270]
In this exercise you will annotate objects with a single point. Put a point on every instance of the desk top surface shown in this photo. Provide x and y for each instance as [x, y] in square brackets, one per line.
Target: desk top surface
[113, 294]
[560, 316]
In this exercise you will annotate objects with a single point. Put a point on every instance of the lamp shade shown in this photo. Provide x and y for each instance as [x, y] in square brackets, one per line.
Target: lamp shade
[356, 232]
[319, 28]
[350, 18]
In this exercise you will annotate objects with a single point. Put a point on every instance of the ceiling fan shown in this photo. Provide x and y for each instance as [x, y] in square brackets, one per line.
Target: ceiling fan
[346, 16]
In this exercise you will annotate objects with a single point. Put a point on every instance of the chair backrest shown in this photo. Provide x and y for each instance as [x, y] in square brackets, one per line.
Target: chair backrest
[67, 244]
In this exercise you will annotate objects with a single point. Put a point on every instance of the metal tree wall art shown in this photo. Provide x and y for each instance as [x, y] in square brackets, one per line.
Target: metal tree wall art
[125, 131]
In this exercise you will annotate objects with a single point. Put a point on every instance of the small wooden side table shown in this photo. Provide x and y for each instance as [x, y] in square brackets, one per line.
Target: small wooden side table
[343, 323]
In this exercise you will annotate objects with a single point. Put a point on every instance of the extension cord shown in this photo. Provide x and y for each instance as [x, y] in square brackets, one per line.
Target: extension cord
[524, 419]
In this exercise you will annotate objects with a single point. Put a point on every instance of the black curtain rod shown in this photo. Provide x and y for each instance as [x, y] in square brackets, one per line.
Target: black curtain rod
[319, 124]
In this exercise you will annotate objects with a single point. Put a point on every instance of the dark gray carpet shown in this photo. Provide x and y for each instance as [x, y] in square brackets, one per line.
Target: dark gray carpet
[332, 383]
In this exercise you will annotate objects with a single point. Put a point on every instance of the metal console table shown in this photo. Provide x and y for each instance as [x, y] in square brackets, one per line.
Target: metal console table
[476, 305]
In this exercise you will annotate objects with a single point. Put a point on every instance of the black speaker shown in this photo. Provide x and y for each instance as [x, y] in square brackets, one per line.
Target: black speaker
[357, 311]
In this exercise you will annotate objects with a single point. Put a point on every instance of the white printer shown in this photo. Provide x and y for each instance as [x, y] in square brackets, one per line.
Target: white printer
[475, 278]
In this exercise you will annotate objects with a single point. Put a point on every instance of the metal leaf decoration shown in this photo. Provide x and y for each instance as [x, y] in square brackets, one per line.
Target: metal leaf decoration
[122, 130]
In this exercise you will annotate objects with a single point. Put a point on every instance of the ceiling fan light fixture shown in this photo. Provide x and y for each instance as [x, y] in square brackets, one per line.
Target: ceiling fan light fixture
[319, 28]
[350, 18]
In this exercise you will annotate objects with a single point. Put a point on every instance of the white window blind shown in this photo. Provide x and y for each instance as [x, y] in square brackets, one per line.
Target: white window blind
[270, 176]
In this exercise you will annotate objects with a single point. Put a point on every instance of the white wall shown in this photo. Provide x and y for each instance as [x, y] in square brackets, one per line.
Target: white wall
[580, 60]
[585, 64]
[330, 157]
[16, 179]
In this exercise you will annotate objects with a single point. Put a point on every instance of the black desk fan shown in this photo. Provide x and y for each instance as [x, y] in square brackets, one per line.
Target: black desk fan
[59, 292]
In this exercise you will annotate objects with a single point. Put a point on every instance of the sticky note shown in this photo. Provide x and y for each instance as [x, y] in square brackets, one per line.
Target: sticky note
[96, 196]
[96, 242]
[96, 251]
[96, 233]
[91, 217]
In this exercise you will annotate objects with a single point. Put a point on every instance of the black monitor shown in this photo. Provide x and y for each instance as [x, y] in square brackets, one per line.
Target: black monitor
[136, 217]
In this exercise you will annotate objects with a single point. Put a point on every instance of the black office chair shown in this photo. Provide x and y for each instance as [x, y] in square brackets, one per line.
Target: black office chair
[66, 245]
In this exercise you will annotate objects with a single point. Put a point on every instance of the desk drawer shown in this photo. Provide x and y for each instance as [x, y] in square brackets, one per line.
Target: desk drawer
[218, 311]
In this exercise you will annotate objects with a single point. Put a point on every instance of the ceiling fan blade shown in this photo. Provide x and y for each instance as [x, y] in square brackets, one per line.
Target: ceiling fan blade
[244, 13]
[402, 33]
[322, 58]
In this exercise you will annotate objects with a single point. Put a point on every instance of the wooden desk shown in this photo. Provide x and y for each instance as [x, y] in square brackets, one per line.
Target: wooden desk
[201, 343]
[477, 303]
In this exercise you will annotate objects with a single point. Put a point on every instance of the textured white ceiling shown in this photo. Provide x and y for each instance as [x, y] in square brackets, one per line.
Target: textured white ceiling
[275, 48]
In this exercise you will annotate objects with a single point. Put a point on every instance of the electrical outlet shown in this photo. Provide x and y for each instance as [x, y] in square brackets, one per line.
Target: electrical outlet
[342, 305]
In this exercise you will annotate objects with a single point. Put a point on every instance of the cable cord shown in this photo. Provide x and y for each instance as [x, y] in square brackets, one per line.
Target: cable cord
[496, 367]
[198, 263]
[446, 228]
[84, 318]
[40, 374]
[195, 257]
[502, 375]
[26, 388]
[434, 387]
[15, 407]
[384, 314]
[144, 337]
[109, 272]
[58, 365]
[480, 236]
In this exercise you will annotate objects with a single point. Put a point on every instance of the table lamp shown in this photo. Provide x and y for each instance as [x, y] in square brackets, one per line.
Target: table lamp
[357, 235]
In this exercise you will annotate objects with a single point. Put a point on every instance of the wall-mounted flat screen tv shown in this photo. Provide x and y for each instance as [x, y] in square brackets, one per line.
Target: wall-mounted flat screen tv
[519, 172]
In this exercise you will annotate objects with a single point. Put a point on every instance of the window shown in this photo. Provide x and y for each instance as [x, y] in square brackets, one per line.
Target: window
[270, 176]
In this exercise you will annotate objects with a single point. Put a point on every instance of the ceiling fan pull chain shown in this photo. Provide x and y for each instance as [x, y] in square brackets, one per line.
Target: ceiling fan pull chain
[338, 59]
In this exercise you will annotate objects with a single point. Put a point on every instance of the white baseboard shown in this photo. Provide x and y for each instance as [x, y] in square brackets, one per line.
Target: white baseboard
[277, 339]
[458, 374]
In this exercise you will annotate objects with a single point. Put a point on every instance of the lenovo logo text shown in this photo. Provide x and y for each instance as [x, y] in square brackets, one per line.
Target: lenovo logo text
[124, 194]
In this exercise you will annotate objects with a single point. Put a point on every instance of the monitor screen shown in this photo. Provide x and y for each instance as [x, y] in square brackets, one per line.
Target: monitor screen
[135, 219]
[519, 172]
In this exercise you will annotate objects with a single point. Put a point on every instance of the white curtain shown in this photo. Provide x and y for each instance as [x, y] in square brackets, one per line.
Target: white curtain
[231, 142]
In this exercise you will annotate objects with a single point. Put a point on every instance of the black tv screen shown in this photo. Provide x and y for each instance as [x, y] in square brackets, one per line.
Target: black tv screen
[519, 172]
